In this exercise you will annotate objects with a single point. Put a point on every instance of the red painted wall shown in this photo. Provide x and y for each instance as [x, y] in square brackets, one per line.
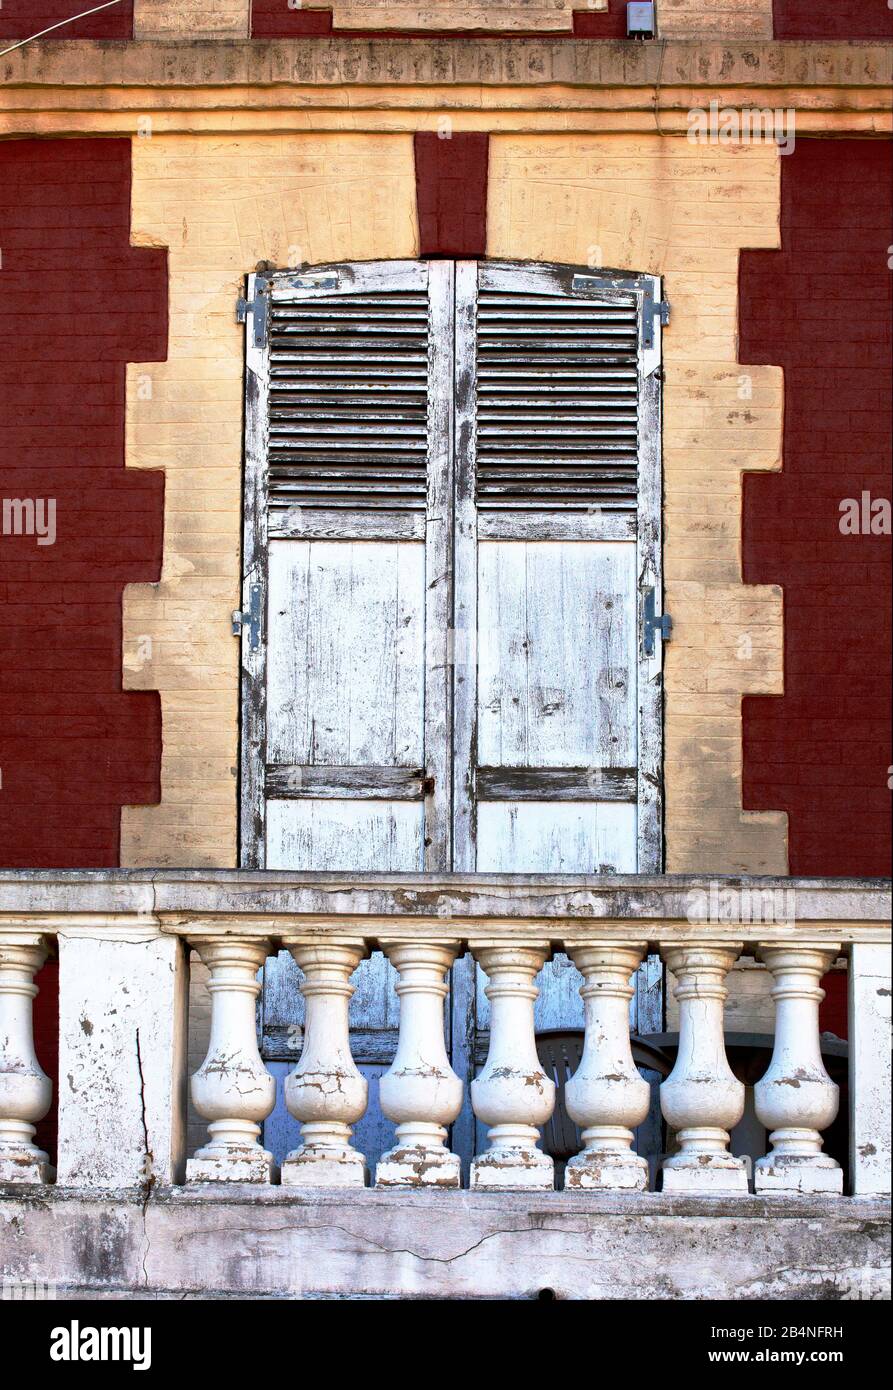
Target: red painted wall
[78, 303]
[832, 19]
[601, 24]
[19, 19]
[821, 307]
[273, 19]
[451, 193]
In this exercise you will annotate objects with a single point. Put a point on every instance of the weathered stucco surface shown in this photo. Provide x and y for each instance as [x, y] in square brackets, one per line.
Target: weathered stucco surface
[525, 15]
[870, 1052]
[191, 19]
[700, 19]
[452, 1244]
[220, 206]
[122, 1041]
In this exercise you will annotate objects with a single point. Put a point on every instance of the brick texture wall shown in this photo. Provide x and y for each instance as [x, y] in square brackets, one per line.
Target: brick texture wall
[832, 19]
[820, 307]
[451, 193]
[78, 303]
[19, 19]
[789, 19]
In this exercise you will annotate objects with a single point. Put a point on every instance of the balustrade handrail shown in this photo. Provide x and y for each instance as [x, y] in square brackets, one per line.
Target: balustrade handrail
[462, 907]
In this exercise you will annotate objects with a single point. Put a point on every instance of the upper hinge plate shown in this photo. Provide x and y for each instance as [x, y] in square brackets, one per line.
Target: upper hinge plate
[259, 308]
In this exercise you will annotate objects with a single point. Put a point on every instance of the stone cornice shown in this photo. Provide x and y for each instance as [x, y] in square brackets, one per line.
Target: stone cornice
[396, 62]
[270, 87]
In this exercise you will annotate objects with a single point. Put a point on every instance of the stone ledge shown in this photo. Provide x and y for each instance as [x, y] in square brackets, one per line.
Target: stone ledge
[568, 906]
[444, 62]
[281, 1243]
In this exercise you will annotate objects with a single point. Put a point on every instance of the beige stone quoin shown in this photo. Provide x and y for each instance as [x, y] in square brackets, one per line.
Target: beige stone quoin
[528, 16]
[727, 19]
[191, 19]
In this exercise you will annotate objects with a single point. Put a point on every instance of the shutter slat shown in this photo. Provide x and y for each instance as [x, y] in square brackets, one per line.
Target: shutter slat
[557, 402]
[370, 432]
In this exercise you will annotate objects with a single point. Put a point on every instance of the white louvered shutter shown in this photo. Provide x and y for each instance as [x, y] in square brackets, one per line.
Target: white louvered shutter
[557, 725]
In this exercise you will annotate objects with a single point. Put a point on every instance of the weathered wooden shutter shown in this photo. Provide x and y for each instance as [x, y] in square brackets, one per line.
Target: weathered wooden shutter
[346, 586]
[348, 420]
[558, 694]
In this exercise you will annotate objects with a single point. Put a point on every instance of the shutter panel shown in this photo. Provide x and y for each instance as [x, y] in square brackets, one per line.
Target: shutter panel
[557, 394]
[557, 714]
[346, 520]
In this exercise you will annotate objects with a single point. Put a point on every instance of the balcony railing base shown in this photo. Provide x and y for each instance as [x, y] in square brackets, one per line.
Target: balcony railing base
[419, 1166]
[375, 1243]
[313, 1165]
[228, 1164]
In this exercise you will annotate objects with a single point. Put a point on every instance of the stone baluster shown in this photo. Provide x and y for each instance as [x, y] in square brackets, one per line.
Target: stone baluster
[797, 1098]
[606, 1096]
[232, 1088]
[25, 1091]
[512, 1095]
[420, 1092]
[701, 1099]
[325, 1091]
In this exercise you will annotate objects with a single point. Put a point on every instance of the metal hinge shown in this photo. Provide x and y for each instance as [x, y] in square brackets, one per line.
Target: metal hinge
[652, 310]
[259, 308]
[249, 618]
[652, 623]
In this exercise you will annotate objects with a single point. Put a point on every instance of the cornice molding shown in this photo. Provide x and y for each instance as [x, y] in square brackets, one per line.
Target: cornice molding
[270, 87]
